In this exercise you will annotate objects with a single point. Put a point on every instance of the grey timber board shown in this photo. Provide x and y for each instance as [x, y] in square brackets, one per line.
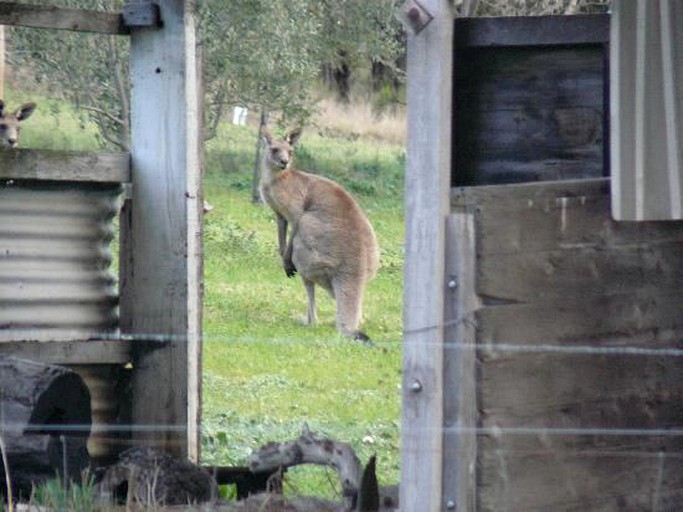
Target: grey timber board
[161, 286]
[460, 401]
[51, 165]
[71, 352]
[61, 18]
[428, 170]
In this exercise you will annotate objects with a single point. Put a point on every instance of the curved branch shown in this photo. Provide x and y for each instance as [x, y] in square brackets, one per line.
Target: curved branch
[102, 113]
[310, 448]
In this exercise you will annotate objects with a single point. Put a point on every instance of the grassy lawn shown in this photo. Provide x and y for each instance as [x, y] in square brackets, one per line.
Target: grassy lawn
[265, 373]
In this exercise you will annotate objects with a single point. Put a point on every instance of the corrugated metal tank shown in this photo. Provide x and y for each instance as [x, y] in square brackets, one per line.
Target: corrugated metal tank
[55, 283]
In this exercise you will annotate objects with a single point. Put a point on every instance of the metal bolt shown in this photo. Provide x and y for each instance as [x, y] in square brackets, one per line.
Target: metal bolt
[416, 386]
[413, 14]
[450, 505]
[452, 283]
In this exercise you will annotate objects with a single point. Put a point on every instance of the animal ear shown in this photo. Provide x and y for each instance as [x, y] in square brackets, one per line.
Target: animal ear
[25, 111]
[2, 108]
[265, 134]
[293, 136]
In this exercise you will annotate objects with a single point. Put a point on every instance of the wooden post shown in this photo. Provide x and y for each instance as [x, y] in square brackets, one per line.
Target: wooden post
[2, 61]
[428, 175]
[460, 407]
[161, 284]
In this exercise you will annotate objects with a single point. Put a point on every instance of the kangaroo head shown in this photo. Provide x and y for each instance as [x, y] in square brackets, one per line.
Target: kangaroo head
[10, 123]
[279, 153]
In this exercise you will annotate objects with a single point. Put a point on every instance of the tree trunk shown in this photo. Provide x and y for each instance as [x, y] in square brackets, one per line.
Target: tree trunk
[255, 194]
[342, 78]
[45, 420]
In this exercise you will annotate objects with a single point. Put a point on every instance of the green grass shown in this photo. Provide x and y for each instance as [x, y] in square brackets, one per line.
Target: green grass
[265, 373]
[53, 125]
[80, 497]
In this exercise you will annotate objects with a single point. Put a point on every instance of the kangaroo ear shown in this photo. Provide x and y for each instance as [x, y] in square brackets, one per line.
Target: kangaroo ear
[293, 136]
[266, 135]
[25, 111]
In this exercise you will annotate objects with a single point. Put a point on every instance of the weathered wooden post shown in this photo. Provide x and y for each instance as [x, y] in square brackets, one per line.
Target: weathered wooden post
[428, 172]
[2, 61]
[162, 270]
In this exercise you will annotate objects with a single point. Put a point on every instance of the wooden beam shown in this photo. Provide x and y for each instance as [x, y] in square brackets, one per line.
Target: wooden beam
[2, 61]
[161, 230]
[61, 18]
[428, 171]
[70, 352]
[52, 165]
[532, 30]
[460, 380]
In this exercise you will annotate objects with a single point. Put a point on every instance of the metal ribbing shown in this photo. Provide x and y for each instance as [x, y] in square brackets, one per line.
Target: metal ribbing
[55, 282]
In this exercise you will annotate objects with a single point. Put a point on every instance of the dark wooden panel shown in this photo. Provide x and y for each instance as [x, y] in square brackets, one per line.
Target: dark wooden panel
[637, 316]
[43, 16]
[612, 391]
[531, 30]
[606, 474]
[529, 114]
[550, 216]
[578, 327]
[581, 272]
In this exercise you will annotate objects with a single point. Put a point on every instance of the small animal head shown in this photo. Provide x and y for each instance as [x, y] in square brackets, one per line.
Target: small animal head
[10, 123]
[279, 153]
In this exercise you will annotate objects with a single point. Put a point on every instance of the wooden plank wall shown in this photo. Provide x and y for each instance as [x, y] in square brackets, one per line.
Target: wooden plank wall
[576, 408]
[530, 99]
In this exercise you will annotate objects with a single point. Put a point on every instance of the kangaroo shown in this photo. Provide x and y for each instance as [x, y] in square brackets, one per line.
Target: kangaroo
[10, 123]
[331, 243]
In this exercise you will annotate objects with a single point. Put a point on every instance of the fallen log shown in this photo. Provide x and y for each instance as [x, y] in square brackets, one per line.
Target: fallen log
[45, 421]
[311, 448]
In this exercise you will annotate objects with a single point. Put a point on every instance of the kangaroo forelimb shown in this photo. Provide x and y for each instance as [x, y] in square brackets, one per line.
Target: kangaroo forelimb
[281, 234]
[287, 263]
[285, 248]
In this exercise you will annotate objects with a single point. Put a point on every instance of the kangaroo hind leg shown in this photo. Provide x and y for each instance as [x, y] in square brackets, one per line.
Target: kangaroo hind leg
[311, 316]
[349, 298]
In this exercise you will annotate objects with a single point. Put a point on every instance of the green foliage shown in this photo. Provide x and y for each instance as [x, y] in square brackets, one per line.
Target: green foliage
[90, 71]
[265, 373]
[81, 497]
[264, 54]
[259, 53]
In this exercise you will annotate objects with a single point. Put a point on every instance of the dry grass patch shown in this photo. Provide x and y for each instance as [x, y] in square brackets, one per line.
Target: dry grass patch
[358, 119]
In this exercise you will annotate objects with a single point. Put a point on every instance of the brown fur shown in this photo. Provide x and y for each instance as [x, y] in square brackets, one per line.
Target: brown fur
[10, 123]
[331, 243]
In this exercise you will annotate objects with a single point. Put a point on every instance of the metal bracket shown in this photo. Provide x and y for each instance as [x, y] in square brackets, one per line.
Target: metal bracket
[414, 16]
[143, 14]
